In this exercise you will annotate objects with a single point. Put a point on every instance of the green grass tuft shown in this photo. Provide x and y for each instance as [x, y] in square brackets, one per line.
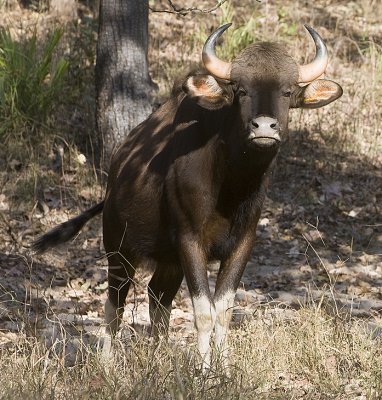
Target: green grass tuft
[30, 83]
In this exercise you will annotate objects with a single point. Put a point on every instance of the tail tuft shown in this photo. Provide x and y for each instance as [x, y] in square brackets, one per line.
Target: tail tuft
[66, 231]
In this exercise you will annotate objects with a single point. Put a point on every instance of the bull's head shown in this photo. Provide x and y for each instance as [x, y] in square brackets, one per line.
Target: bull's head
[263, 82]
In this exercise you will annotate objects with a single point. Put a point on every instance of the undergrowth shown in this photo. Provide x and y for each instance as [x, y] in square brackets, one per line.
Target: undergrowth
[30, 84]
[274, 355]
[350, 124]
[310, 354]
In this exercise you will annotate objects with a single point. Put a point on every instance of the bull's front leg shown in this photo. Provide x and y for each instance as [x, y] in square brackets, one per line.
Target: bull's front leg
[224, 302]
[195, 269]
[230, 273]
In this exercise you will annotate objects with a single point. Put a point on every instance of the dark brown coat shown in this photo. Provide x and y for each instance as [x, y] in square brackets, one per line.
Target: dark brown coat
[188, 184]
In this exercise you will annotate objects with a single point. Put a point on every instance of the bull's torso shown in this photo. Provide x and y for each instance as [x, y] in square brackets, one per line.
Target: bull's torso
[177, 179]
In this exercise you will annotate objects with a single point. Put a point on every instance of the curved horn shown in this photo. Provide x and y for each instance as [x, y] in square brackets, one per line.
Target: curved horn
[311, 71]
[217, 67]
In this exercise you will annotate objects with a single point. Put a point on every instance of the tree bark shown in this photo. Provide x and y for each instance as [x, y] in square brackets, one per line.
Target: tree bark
[123, 84]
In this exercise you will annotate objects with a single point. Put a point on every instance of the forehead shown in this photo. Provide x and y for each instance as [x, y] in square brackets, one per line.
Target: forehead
[264, 62]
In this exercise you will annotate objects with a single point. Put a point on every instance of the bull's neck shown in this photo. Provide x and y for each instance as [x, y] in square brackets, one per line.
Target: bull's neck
[248, 171]
[245, 166]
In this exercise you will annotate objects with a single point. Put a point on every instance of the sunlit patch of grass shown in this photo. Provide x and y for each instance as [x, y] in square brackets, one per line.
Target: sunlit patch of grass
[352, 123]
[274, 355]
[349, 124]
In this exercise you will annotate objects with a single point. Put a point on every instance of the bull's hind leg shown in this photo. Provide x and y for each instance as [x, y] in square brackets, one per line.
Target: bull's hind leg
[163, 287]
[120, 275]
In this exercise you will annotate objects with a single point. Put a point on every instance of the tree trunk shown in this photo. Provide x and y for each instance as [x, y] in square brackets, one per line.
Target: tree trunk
[123, 84]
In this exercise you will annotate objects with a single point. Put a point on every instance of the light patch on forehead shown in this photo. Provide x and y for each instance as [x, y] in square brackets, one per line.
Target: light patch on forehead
[264, 62]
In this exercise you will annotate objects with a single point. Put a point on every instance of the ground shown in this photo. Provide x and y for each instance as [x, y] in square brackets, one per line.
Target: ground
[319, 236]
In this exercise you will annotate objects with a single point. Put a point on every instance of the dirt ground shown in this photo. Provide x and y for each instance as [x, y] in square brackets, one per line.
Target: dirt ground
[320, 235]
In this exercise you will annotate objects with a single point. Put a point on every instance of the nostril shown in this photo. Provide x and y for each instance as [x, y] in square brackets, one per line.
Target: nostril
[274, 125]
[254, 124]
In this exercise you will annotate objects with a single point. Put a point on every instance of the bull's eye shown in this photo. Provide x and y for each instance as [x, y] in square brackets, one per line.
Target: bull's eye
[241, 92]
[287, 93]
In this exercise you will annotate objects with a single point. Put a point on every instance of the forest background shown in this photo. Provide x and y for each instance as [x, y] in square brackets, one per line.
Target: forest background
[307, 320]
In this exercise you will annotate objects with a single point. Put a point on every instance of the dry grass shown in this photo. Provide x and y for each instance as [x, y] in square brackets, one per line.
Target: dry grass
[353, 33]
[277, 354]
[311, 353]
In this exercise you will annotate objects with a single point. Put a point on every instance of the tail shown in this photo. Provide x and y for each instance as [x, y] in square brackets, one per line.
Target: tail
[66, 231]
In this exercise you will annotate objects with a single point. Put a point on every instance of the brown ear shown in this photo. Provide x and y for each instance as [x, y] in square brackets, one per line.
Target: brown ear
[208, 92]
[317, 94]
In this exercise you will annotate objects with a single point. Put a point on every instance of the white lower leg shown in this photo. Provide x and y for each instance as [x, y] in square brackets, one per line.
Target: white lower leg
[224, 307]
[159, 317]
[205, 316]
[106, 347]
[113, 317]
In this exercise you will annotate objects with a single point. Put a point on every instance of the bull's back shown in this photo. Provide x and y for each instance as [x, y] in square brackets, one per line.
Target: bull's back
[134, 215]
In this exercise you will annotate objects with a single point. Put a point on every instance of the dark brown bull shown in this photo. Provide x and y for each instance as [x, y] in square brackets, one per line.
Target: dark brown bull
[188, 184]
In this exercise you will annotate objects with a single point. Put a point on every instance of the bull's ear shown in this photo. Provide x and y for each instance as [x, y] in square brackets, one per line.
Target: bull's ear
[317, 94]
[208, 92]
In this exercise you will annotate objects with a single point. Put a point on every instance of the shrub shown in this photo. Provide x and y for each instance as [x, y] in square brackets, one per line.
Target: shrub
[30, 83]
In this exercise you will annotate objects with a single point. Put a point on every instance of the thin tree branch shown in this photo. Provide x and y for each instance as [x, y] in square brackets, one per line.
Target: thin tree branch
[184, 11]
